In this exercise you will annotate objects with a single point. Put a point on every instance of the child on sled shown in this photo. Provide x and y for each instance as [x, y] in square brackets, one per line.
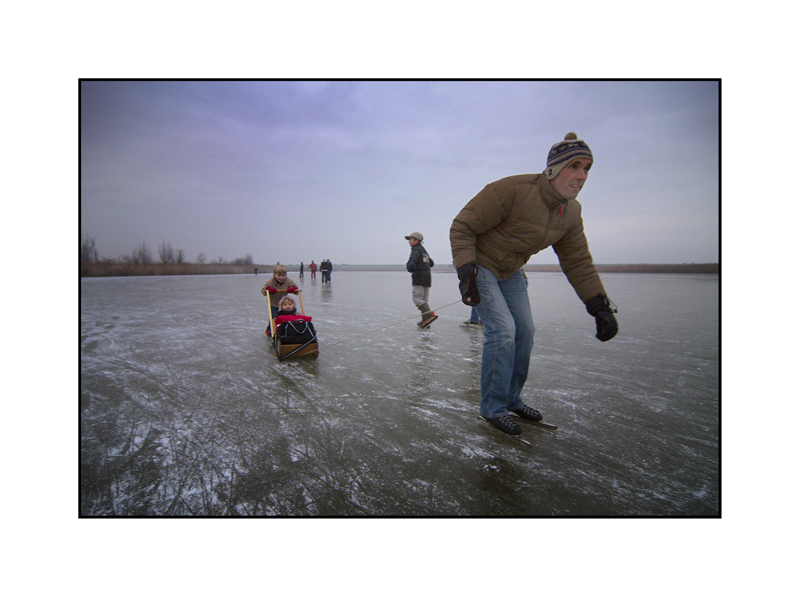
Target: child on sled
[287, 311]
[292, 327]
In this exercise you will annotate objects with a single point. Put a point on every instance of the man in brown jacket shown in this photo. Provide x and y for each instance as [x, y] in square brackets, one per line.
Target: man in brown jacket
[492, 237]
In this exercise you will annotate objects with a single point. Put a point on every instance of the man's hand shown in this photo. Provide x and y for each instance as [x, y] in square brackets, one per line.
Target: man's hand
[602, 310]
[467, 284]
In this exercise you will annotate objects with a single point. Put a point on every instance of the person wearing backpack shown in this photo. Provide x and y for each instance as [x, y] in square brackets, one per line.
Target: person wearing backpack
[419, 265]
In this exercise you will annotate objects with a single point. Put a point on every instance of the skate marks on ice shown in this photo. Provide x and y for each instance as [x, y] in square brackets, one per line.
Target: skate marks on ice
[186, 412]
[277, 443]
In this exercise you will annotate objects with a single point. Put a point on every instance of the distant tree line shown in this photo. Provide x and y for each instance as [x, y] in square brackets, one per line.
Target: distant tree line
[141, 255]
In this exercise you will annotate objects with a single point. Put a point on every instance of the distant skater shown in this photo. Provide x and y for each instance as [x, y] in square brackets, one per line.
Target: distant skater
[420, 264]
[313, 269]
[326, 267]
[492, 237]
[301, 269]
[474, 318]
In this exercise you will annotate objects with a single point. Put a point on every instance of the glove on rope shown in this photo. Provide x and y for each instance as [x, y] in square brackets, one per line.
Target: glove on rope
[603, 311]
[467, 284]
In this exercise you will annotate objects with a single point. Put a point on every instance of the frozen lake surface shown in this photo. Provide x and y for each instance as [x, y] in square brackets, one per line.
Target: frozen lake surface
[185, 409]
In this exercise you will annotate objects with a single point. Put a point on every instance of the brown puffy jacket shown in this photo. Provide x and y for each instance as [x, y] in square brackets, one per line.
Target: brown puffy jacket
[282, 287]
[516, 217]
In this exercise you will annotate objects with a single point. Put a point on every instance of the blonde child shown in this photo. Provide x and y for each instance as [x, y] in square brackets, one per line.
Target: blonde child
[274, 288]
[288, 311]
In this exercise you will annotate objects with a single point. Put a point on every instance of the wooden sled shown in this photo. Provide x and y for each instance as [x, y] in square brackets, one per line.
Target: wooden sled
[284, 351]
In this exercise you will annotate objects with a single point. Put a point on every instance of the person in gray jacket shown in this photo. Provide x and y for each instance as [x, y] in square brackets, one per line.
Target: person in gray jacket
[492, 237]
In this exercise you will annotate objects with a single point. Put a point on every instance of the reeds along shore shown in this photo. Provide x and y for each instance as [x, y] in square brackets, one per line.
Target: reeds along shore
[90, 270]
[640, 268]
[99, 269]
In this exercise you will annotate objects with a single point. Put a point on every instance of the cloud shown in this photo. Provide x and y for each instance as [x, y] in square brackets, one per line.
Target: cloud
[231, 167]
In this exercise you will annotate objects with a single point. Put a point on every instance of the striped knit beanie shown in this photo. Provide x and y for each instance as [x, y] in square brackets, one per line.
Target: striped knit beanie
[563, 152]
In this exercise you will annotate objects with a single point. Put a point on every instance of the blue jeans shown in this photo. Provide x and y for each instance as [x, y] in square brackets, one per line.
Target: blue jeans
[508, 341]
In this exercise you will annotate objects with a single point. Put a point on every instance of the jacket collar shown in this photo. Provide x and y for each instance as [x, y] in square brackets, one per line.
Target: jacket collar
[549, 195]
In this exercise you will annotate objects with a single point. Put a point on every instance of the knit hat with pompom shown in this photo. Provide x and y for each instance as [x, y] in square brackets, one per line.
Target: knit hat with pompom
[563, 152]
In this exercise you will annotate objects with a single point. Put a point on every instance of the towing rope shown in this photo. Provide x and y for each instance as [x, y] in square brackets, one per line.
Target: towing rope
[390, 325]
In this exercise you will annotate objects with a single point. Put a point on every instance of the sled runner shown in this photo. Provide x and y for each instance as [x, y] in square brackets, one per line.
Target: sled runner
[295, 337]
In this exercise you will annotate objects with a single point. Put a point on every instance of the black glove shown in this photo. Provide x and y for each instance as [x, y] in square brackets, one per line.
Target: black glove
[603, 311]
[467, 284]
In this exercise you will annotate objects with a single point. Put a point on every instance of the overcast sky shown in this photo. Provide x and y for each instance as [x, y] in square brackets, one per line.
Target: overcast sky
[295, 171]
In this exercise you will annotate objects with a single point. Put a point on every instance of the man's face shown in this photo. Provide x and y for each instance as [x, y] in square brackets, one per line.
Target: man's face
[413, 241]
[570, 180]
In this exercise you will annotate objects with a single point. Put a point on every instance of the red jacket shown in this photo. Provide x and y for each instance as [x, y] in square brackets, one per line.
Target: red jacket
[297, 317]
